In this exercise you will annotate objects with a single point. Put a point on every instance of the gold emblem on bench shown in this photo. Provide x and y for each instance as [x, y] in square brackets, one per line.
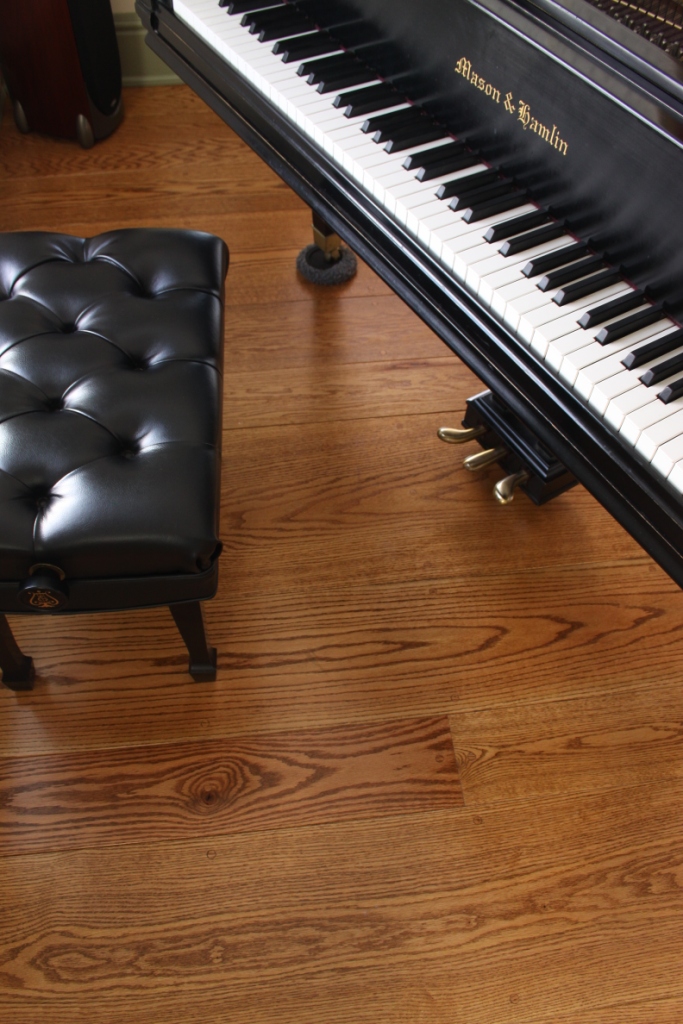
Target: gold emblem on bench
[43, 599]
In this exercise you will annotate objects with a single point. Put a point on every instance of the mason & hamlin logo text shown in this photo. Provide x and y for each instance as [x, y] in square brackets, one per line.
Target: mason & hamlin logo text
[512, 106]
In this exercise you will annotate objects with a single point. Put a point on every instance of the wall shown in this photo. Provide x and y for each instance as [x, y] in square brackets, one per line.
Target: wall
[139, 65]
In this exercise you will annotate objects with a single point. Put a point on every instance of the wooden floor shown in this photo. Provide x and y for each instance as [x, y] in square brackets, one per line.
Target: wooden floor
[438, 779]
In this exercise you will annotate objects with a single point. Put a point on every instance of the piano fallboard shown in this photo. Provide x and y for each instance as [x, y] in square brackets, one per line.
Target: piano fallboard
[643, 140]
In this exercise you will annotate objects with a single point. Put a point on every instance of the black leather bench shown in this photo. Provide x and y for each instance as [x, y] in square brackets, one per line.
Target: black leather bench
[110, 428]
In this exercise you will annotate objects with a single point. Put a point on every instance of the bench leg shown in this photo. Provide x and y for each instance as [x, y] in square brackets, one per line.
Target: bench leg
[17, 668]
[188, 618]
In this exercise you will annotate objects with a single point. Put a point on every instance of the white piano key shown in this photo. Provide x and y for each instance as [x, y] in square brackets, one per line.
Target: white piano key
[597, 363]
[623, 381]
[495, 270]
[675, 477]
[440, 218]
[558, 348]
[624, 405]
[621, 406]
[644, 417]
[566, 316]
[669, 450]
[449, 241]
[416, 215]
[459, 227]
[668, 456]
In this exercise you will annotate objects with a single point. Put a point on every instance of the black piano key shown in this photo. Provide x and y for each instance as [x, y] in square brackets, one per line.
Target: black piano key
[449, 166]
[267, 15]
[280, 30]
[416, 137]
[630, 324]
[323, 64]
[468, 183]
[413, 121]
[514, 225]
[253, 19]
[571, 272]
[367, 101]
[588, 286]
[480, 195]
[426, 158]
[301, 47]
[520, 243]
[242, 6]
[353, 34]
[396, 119]
[557, 258]
[344, 78]
[494, 206]
[607, 310]
[653, 349]
[671, 392]
[325, 12]
[667, 368]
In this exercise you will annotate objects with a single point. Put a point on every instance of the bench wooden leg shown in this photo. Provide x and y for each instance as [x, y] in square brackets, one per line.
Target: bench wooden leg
[17, 668]
[188, 618]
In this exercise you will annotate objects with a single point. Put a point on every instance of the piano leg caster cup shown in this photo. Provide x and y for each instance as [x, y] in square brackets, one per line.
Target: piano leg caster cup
[313, 264]
[326, 261]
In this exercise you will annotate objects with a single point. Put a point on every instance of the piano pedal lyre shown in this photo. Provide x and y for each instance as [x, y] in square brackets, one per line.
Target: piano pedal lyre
[326, 261]
[527, 463]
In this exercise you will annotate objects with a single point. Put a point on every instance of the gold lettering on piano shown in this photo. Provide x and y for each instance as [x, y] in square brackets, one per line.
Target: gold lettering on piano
[464, 68]
[521, 108]
[551, 136]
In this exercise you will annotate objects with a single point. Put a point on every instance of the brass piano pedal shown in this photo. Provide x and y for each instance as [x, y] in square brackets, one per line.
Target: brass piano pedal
[504, 491]
[484, 458]
[460, 435]
[327, 261]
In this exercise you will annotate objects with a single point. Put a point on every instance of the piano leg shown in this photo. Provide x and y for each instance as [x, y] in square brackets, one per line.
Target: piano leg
[326, 261]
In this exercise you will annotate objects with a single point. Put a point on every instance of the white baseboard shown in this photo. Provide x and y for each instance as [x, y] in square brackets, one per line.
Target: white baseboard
[139, 65]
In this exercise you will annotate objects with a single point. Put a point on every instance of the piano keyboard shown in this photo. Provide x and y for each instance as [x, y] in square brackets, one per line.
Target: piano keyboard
[609, 344]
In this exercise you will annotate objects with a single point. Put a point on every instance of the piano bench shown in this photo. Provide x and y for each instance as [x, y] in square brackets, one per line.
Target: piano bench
[110, 429]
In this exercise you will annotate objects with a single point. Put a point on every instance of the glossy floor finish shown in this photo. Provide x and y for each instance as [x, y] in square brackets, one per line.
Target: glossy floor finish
[438, 779]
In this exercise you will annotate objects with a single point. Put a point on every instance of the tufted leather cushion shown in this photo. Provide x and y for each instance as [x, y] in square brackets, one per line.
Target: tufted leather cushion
[110, 402]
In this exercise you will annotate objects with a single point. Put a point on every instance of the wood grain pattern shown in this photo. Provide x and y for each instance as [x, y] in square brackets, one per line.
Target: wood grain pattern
[284, 846]
[487, 914]
[572, 747]
[373, 329]
[306, 658]
[313, 503]
[182, 791]
[286, 397]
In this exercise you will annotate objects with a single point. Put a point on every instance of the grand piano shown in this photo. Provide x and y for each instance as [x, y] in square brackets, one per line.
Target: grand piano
[513, 169]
